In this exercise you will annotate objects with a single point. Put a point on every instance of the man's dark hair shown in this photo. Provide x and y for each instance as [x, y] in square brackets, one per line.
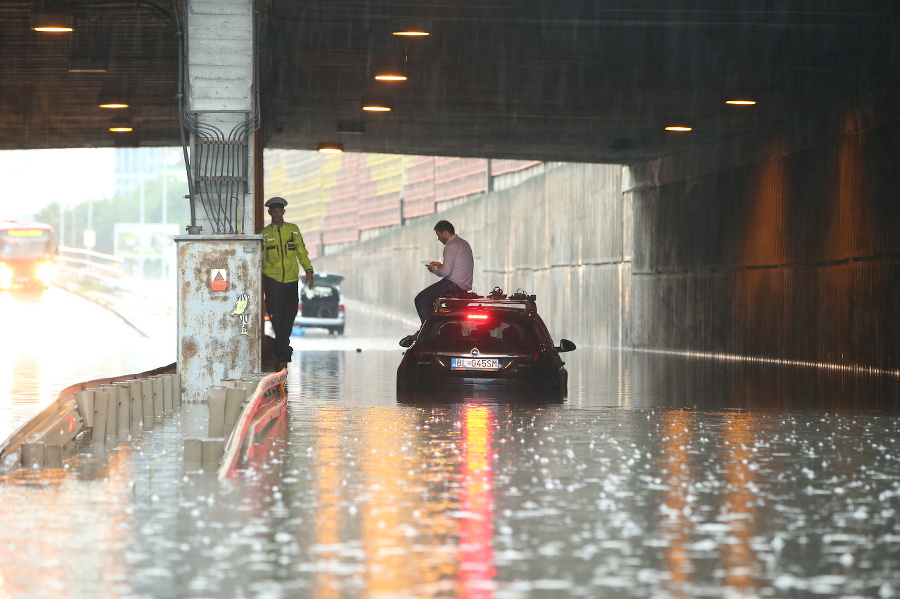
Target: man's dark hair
[444, 225]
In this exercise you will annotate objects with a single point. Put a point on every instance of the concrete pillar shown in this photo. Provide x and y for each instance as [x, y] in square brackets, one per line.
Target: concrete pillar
[219, 261]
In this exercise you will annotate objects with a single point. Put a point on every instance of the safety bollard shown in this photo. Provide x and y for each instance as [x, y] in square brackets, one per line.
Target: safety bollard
[230, 383]
[147, 403]
[33, 455]
[234, 400]
[217, 411]
[85, 402]
[158, 409]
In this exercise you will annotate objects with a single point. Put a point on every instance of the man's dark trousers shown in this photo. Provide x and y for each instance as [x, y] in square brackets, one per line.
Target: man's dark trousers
[425, 300]
[281, 305]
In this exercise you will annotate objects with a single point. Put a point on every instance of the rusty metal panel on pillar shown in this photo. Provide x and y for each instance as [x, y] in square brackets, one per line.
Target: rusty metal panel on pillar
[219, 310]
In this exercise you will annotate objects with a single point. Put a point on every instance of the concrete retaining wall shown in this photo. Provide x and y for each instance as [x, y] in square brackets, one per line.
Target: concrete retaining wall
[559, 235]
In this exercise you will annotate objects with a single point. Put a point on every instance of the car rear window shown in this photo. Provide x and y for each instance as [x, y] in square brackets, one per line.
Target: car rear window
[491, 333]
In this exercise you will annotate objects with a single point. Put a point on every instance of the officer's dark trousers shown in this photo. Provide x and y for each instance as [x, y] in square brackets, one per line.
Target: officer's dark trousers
[281, 305]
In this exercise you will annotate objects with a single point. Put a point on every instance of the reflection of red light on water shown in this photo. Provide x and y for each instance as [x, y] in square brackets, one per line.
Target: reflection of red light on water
[476, 554]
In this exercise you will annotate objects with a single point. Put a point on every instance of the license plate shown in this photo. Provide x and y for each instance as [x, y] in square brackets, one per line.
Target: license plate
[474, 364]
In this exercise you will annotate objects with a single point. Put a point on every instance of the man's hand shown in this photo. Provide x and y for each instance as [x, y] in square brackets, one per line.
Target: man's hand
[433, 265]
[309, 279]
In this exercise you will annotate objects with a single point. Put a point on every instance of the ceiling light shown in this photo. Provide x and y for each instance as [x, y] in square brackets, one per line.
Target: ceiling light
[121, 126]
[52, 23]
[86, 65]
[390, 75]
[112, 100]
[411, 32]
[739, 102]
[678, 128]
[376, 105]
[331, 148]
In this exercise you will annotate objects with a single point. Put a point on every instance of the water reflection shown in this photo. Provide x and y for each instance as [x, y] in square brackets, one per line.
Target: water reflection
[658, 476]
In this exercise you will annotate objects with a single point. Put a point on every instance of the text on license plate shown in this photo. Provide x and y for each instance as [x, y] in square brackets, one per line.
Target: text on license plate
[474, 364]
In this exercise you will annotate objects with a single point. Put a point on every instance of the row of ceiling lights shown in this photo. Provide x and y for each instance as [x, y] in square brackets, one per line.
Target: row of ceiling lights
[388, 73]
[731, 102]
[50, 23]
[62, 23]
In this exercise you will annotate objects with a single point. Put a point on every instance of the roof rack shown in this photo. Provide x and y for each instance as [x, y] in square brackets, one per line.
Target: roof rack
[516, 301]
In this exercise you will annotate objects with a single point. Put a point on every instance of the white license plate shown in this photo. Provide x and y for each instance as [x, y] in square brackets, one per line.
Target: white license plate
[474, 364]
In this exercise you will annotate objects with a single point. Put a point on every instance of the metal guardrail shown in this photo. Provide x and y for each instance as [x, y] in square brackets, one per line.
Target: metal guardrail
[89, 268]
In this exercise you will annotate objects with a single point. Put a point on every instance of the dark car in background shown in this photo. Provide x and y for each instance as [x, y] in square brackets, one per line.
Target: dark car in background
[484, 341]
[322, 305]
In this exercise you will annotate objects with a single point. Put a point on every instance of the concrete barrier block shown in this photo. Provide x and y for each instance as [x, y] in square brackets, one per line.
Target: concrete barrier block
[193, 451]
[158, 399]
[33, 455]
[85, 402]
[212, 451]
[234, 400]
[217, 411]
[53, 456]
[147, 403]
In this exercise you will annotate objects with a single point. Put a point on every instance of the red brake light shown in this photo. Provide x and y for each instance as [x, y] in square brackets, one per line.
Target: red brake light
[477, 316]
[341, 308]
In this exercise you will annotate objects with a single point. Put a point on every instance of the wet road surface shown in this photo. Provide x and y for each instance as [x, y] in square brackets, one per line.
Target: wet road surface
[658, 476]
[54, 339]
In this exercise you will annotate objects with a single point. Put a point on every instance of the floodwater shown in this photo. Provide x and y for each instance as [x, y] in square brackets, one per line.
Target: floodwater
[658, 476]
[54, 339]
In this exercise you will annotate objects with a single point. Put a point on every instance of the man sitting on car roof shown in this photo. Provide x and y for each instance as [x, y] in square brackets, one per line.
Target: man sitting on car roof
[456, 271]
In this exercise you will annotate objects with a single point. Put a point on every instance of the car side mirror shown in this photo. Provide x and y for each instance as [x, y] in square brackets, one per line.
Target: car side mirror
[406, 341]
[565, 345]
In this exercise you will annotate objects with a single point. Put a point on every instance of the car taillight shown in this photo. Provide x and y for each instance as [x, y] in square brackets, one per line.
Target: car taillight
[341, 308]
[477, 316]
[300, 306]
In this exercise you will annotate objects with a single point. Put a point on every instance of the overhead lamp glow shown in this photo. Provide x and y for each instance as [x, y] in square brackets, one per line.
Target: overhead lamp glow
[112, 100]
[376, 106]
[390, 76]
[121, 126]
[411, 32]
[52, 23]
[738, 102]
[681, 128]
[331, 148]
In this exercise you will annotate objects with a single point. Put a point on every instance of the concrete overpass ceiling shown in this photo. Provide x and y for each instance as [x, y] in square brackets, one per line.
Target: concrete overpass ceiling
[547, 80]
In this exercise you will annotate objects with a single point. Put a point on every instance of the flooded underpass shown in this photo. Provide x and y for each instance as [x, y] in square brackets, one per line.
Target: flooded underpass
[658, 476]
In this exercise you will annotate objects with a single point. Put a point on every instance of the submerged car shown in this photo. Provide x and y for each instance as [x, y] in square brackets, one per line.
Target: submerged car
[322, 305]
[484, 341]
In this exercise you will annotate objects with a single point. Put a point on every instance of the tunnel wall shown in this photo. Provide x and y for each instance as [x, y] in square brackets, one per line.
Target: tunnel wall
[782, 243]
[559, 235]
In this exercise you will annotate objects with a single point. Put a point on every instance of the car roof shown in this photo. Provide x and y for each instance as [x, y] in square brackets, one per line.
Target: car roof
[327, 278]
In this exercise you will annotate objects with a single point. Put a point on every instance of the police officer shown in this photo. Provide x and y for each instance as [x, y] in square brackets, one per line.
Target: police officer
[283, 254]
